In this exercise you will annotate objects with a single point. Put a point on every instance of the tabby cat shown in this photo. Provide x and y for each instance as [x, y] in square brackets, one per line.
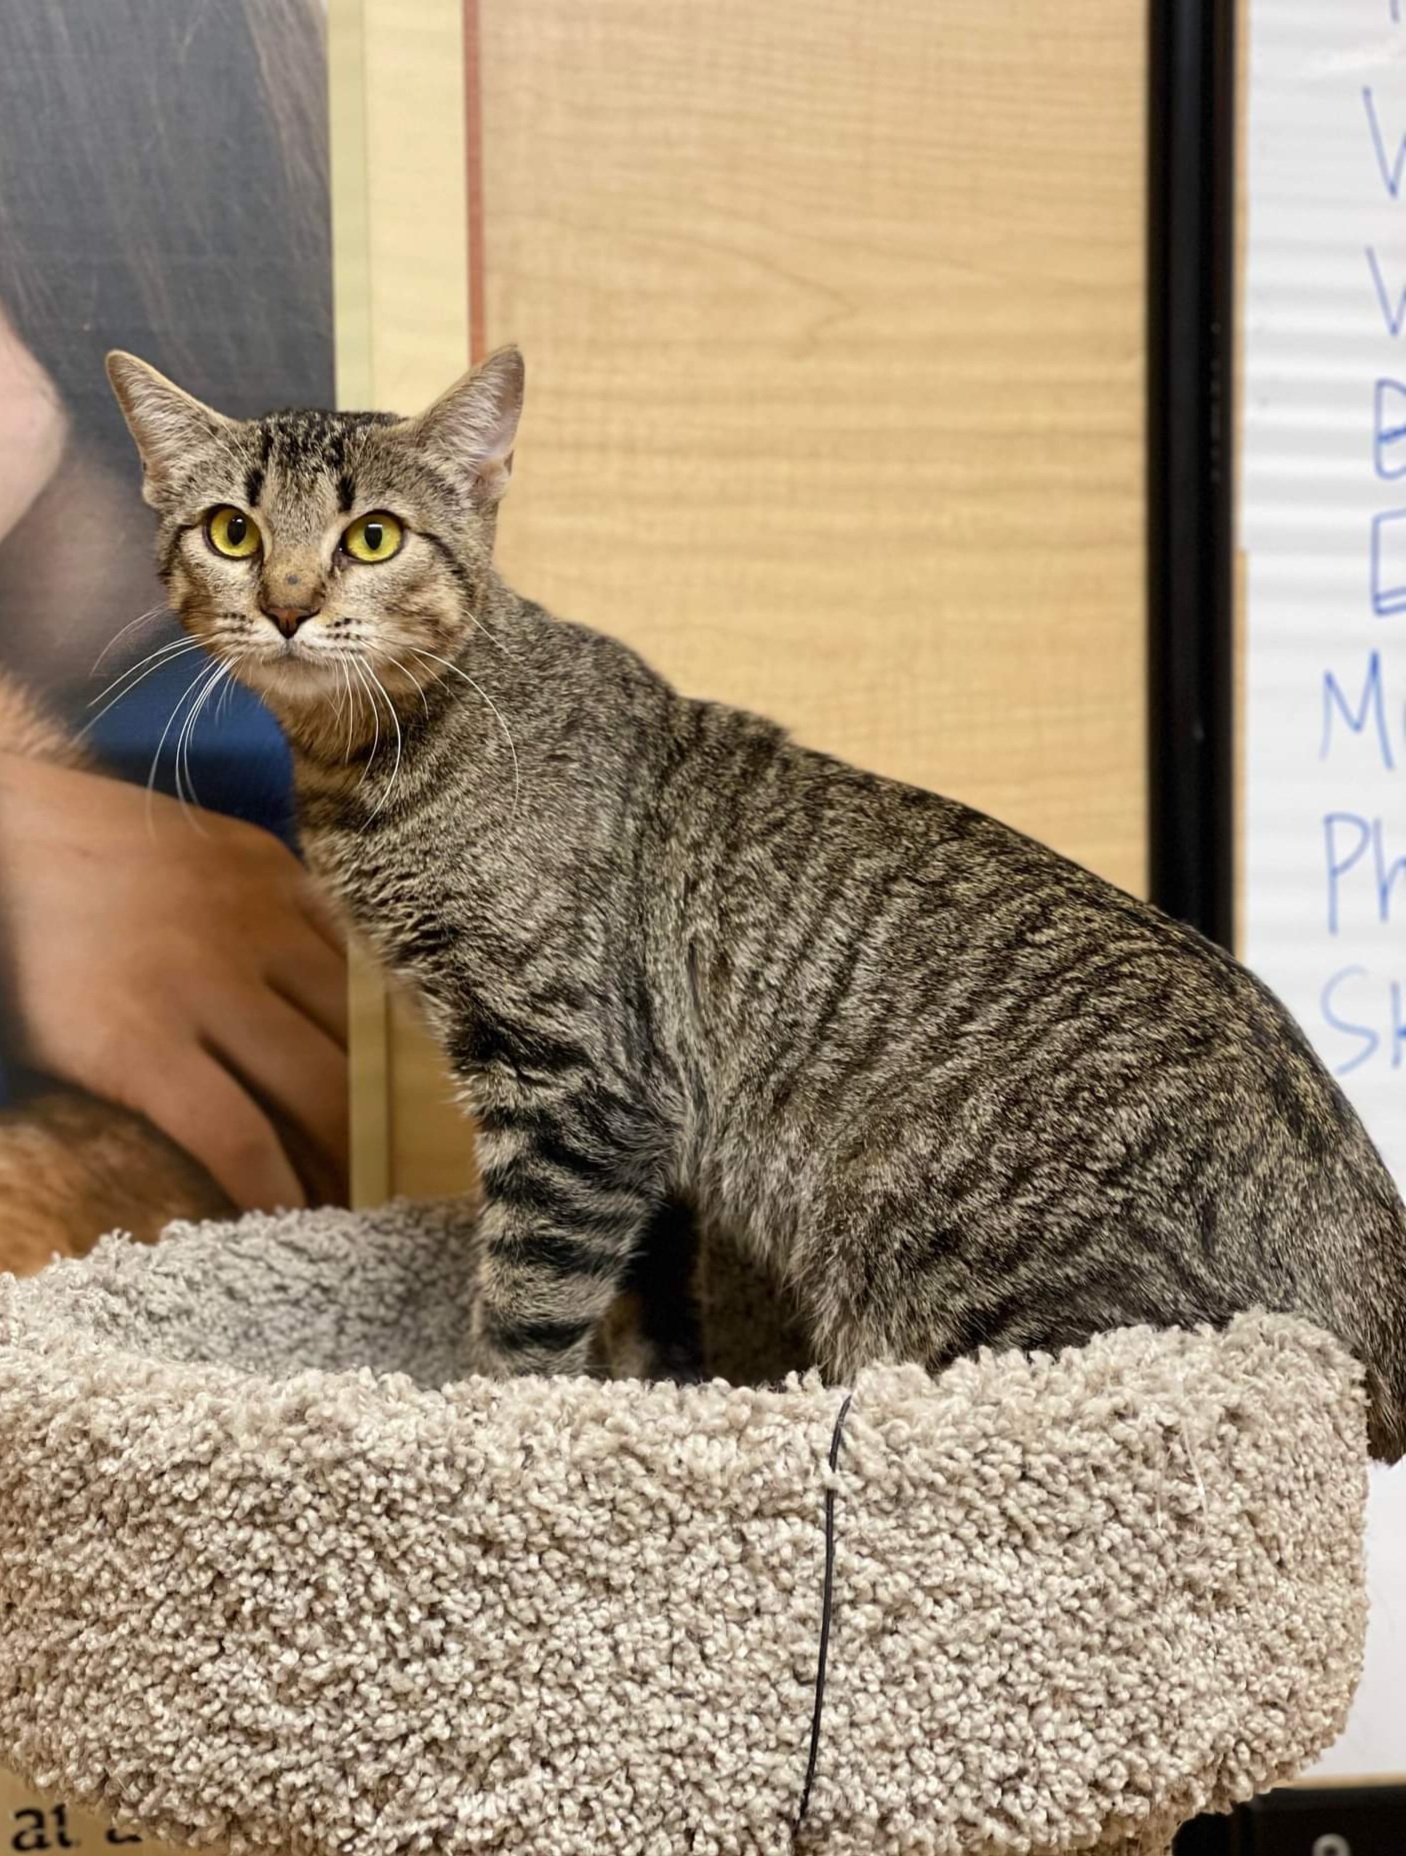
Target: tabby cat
[947, 1086]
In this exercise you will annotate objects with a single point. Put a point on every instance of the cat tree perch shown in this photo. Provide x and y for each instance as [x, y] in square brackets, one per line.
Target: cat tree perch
[275, 1573]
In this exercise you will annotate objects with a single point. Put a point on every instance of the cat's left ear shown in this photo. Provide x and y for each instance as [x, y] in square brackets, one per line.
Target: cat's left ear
[473, 427]
[167, 423]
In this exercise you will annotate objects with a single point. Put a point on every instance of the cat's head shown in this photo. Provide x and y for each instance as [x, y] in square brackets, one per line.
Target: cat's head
[310, 551]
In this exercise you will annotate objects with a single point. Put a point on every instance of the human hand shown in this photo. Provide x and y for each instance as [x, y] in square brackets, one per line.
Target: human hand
[187, 973]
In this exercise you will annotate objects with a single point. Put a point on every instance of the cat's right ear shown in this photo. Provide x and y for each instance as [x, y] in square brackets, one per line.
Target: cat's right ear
[166, 423]
[473, 426]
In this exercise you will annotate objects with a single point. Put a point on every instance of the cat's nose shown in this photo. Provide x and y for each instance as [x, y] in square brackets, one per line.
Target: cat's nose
[289, 618]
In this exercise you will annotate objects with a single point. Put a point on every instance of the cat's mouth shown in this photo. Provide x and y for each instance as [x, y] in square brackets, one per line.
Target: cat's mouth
[307, 672]
[290, 667]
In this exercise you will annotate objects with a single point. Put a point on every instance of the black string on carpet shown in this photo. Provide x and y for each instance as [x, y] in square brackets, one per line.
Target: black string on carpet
[827, 1604]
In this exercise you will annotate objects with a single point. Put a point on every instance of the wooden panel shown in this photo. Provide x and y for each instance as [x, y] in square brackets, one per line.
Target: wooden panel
[833, 318]
[834, 328]
[400, 253]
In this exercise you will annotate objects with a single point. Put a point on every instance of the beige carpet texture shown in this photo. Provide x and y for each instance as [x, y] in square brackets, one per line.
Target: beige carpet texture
[278, 1573]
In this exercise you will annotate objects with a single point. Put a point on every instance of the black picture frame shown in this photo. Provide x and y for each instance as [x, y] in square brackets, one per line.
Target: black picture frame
[1191, 133]
[1191, 461]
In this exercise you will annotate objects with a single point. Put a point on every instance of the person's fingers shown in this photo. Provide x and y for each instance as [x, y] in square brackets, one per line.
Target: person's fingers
[208, 1112]
[320, 913]
[312, 978]
[282, 871]
[323, 1183]
[292, 1067]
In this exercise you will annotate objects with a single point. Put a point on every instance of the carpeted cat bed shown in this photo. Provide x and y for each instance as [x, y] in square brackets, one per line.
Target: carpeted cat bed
[275, 1573]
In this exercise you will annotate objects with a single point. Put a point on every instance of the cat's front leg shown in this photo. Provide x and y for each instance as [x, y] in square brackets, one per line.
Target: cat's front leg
[565, 1207]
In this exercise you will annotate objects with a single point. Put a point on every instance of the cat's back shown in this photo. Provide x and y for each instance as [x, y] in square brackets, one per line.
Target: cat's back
[938, 907]
[1041, 1106]
[1005, 955]
[934, 962]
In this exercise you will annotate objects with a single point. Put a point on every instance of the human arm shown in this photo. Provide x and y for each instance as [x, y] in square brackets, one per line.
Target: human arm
[178, 964]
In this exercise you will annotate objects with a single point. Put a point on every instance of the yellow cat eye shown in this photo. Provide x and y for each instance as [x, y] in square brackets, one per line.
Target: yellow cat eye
[375, 537]
[231, 533]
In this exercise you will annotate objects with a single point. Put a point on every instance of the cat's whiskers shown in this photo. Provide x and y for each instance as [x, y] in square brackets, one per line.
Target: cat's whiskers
[346, 751]
[419, 651]
[342, 695]
[354, 659]
[395, 771]
[492, 637]
[142, 618]
[340, 702]
[189, 805]
[207, 674]
[167, 654]
[153, 658]
[413, 678]
[183, 740]
[375, 718]
[231, 683]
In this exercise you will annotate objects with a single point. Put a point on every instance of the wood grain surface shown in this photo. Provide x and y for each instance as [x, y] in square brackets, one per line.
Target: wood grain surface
[833, 318]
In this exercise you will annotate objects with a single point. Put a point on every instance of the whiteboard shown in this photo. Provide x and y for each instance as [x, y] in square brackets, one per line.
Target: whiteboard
[1322, 523]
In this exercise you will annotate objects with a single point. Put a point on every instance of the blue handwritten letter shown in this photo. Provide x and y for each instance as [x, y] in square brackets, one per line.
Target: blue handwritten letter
[1338, 865]
[1389, 430]
[1394, 318]
[1391, 169]
[1389, 562]
[1388, 874]
[1364, 1033]
[1372, 706]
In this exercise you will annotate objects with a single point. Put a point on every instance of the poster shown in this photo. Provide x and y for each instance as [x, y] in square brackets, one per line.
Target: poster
[1323, 531]
[172, 1022]
[163, 189]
